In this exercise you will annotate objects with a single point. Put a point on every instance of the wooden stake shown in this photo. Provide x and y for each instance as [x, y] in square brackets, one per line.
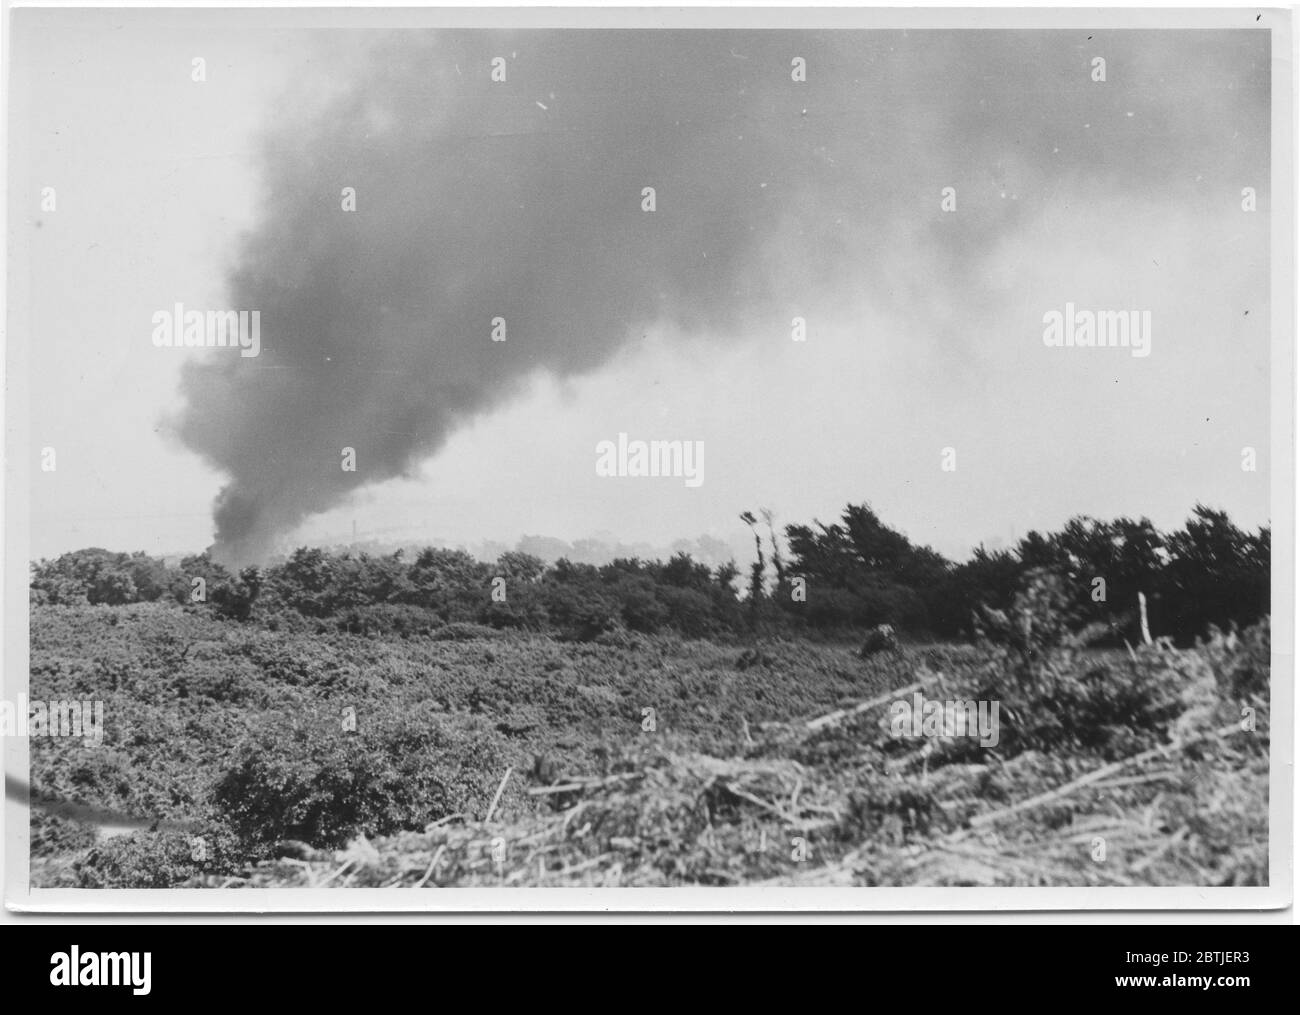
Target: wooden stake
[495, 799]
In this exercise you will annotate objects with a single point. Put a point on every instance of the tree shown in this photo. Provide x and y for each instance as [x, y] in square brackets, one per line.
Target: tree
[757, 571]
[1216, 574]
[520, 567]
[868, 573]
[308, 582]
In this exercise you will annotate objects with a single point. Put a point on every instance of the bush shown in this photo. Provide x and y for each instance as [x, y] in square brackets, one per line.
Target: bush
[1240, 662]
[97, 576]
[157, 859]
[689, 612]
[640, 609]
[306, 778]
[581, 610]
[523, 609]
[1053, 693]
[51, 834]
[398, 619]
[462, 631]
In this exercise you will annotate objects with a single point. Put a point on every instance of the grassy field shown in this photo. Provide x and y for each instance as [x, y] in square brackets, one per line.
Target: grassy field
[477, 757]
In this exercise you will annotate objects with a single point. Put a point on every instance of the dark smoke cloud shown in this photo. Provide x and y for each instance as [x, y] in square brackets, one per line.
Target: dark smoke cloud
[774, 199]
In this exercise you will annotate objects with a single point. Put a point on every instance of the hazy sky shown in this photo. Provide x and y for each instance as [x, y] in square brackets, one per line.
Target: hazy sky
[774, 199]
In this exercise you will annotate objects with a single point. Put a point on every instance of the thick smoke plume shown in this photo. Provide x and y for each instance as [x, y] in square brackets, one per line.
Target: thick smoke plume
[522, 200]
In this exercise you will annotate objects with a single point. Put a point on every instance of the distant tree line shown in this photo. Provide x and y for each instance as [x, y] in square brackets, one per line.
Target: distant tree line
[390, 594]
[830, 579]
[860, 571]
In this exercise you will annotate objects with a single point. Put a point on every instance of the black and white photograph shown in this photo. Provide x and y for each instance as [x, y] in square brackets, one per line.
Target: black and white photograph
[457, 452]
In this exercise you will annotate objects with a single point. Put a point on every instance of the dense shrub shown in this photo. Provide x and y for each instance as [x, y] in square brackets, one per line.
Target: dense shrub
[461, 631]
[1240, 661]
[451, 583]
[1053, 692]
[158, 859]
[523, 610]
[307, 778]
[578, 606]
[52, 835]
[95, 576]
[640, 608]
[399, 619]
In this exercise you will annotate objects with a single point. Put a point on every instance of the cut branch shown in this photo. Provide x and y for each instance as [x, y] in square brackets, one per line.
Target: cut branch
[833, 718]
[984, 820]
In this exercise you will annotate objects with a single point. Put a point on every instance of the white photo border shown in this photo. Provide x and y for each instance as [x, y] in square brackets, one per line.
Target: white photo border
[21, 897]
